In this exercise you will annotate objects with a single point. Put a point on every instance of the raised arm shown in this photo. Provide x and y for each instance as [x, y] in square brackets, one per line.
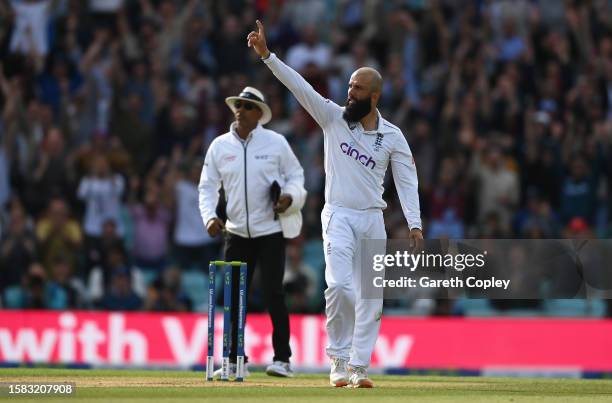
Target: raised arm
[84, 190]
[321, 109]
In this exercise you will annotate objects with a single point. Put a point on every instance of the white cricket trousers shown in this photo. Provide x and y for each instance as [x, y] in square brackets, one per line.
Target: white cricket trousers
[352, 323]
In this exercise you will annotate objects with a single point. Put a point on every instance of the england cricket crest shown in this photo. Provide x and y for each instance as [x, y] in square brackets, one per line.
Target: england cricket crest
[378, 141]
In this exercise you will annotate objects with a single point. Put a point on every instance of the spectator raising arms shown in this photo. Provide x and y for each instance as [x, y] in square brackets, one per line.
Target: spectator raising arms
[101, 191]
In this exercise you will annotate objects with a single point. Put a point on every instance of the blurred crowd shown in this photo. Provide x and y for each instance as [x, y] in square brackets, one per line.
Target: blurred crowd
[108, 107]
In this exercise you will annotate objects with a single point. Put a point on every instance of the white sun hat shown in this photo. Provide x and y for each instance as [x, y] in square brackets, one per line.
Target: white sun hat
[255, 96]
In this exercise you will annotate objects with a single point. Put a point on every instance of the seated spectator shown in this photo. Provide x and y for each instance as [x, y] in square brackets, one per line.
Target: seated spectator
[5, 173]
[133, 133]
[166, 294]
[38, 293]
[493, 228]
[309, 51]
[96, 253]
[175, 128]
[100, 277]
[448, 226]
[17, 249]
[578, 193]
[578, 228]
[447, 203]
[120, 295]
[101, 145]
[537, 219]
[511, 45]
[101, 191]
[498, 190]
[299, 282]
[151, 229]
[58, 234]
[62, 277]
[358, 57]
[52, 175]
[229, 47]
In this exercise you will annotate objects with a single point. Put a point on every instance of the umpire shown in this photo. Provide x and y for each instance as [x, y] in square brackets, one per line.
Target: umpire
[264, 190]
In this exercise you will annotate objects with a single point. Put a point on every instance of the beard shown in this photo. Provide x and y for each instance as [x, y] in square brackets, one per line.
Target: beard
[358, 110]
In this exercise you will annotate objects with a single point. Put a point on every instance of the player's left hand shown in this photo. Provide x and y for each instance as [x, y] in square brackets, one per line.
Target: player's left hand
[284, 201]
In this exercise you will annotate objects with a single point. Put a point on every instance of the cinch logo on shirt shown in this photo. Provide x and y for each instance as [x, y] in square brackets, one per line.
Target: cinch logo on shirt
[354, 153]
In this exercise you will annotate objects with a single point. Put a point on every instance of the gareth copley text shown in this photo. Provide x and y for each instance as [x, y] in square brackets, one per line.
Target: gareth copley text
[454, 282]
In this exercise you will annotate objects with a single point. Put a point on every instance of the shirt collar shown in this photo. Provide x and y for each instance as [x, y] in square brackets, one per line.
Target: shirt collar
[379, 127]
[235, 133]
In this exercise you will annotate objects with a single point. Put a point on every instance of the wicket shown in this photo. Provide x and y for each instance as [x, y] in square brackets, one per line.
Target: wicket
[227, 318]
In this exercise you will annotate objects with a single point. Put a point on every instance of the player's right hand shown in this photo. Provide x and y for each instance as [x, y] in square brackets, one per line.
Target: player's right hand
[257, 40]
[214, 226]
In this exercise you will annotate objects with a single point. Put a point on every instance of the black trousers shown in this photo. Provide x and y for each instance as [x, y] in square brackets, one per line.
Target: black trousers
[268, 253]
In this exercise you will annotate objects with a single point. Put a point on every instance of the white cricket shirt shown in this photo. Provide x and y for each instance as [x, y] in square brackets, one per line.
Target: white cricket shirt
[356, 160]
[247, 169]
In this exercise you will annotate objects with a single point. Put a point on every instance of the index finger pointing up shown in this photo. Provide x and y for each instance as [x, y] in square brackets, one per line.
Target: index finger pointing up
[260, 26]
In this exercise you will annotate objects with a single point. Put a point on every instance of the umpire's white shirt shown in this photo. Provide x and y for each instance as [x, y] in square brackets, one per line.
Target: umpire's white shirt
[246, 169]
[356, 160]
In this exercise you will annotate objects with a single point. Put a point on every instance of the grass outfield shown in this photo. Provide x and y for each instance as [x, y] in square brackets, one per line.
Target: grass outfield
[189, 386]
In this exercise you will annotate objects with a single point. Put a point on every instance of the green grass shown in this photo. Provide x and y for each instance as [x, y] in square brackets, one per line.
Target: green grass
[189, 386]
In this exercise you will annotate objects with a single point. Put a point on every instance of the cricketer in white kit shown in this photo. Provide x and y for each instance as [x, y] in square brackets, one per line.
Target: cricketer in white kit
[359, 145]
